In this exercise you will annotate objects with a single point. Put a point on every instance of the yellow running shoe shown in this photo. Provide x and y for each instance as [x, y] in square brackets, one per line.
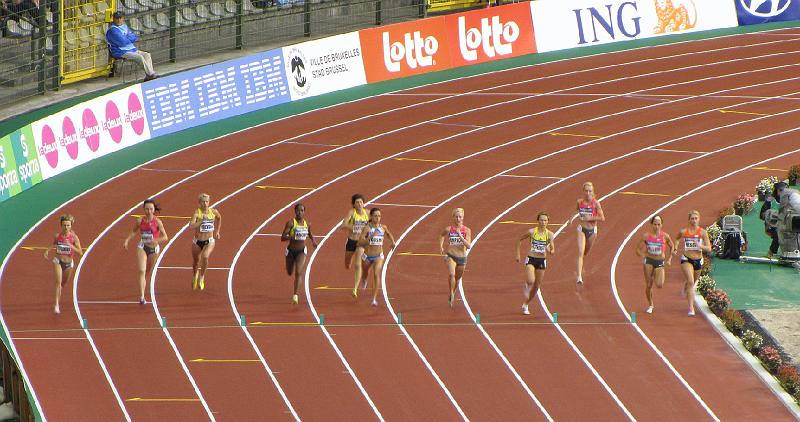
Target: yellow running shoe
[194, 282]
[355, 293]
[202, 283]
[295, 300]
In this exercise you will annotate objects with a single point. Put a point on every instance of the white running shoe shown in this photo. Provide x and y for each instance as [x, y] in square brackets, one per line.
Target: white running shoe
[649, 309]
[525, 310]
[579, 281]
[691, 312]
[57, 309]
[374, 302]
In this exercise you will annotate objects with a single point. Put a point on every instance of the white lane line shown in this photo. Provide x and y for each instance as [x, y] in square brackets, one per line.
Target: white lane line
[638, 227]
[678, 150]
[270, 234]
[49, 338]
[199, 144]
[563, 333]
[109, 302]
[168, 170]
[530, 177]
[189, 268]
[382, 204]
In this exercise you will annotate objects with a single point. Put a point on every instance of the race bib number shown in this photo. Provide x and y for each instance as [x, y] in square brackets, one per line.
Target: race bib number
[376, 240]
[358, 227]
[538, 247]
[654, 249]
[63, 249]
[691, 244]
[300, 233]
[147, 237]
[455, 239]
[206, 226]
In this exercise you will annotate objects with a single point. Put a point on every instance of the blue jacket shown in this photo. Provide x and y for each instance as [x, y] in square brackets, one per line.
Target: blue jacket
[120, 40]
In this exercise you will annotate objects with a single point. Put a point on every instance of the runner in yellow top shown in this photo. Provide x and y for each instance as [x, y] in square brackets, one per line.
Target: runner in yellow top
[354, 223]
[295, 232]
[206, 223]
[541, 241]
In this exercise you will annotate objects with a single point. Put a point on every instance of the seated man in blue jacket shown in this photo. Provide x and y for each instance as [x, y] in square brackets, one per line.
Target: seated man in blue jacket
[120, 41]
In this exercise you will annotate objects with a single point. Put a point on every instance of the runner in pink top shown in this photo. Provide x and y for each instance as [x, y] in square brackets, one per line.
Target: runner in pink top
[66, 245]
[152, 233]
[657, 248]
[589, 213]
[459, 240]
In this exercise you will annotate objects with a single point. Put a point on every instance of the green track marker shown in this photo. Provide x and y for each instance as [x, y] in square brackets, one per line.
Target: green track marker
[477, 318]
[163, 322]
[400, 318]
[633, 317]
[242, 320]
[321, 319]
[555, 317]
[85, 324]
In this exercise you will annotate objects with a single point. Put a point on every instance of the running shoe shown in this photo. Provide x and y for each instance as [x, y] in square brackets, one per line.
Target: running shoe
[649, 309]
[295, 300]
[194, 282]
[202, 283]
[525, 310]
[142, 301]
[374, 302]
[57, 309]
[691, 312]
[354, 293]
[579, 281]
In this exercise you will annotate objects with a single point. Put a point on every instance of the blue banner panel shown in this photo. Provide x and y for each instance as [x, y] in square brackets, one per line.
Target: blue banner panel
[215, 92]
[752, 12]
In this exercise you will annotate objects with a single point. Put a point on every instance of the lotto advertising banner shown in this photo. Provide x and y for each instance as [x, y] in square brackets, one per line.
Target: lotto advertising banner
[562, 24]
[439, 43]
[19, 163]
[325, 65]
[90, 130]
[490, 34]
[215, 92]
[753, 12]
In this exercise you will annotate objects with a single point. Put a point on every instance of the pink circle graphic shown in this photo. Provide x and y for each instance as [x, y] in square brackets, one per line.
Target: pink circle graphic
[114, 122]
[48, 142]
[70, 137]
[136, 113]
[91, 132]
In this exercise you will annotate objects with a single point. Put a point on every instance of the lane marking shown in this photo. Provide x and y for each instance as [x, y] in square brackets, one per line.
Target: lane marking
[768, 169]
[530, 223]
[282, 187]
[644, 194]
[189, 268]
[419, 254]
[677, 150]
[454, 124]
[35, 248]
[49, 338]
[52, 212]
[531, 177]
[744, 112]
[168, 170]
[270, 234]
[382, 204]
[312, 144]
[140, 399]
[423, 159]
[575, 134]
[202, 360]
[109, 302]
[288, 324]
[326, 287]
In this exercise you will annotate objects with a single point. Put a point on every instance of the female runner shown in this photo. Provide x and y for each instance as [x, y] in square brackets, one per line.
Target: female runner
[459, 240]
[541, 241]
[354, 223]
[206, 222]
[651, 248]
[589, 213]
[372, 242]
[152, 233]
[295, 232]
[695, 241]
[66, 244]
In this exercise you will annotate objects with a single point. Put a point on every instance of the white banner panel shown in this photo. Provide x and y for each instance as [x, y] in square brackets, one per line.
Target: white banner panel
[325, 65]
[560, 25]
[89, 130]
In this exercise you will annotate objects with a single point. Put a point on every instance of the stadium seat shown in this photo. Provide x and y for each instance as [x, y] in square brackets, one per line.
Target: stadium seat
[218, 9]
[69, 40]
[162, 19]
[86, 13]
[135, 24]
[84, 37]
[202, 12]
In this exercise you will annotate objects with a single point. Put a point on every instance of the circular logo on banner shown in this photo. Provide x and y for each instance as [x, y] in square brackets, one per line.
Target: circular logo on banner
[70, 138]
[113, 122]
[91, 133]
[135, 113]
[765, 8]
[49, 147]
[297, 68]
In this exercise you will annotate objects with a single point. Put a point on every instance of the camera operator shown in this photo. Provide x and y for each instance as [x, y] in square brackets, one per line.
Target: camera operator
[770, 229]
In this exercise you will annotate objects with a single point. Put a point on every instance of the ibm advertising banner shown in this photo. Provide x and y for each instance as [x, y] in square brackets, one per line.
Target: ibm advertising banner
[561, 25]
[752, 12]
[215, 92]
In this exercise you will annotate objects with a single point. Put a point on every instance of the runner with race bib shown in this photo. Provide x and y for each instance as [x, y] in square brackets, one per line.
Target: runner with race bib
[541, 245]
[206, 222]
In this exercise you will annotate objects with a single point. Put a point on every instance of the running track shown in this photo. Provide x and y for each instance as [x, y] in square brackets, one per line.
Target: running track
[644, 121]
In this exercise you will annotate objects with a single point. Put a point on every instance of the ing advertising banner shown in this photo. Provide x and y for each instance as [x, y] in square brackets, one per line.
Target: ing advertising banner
[562, 25]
